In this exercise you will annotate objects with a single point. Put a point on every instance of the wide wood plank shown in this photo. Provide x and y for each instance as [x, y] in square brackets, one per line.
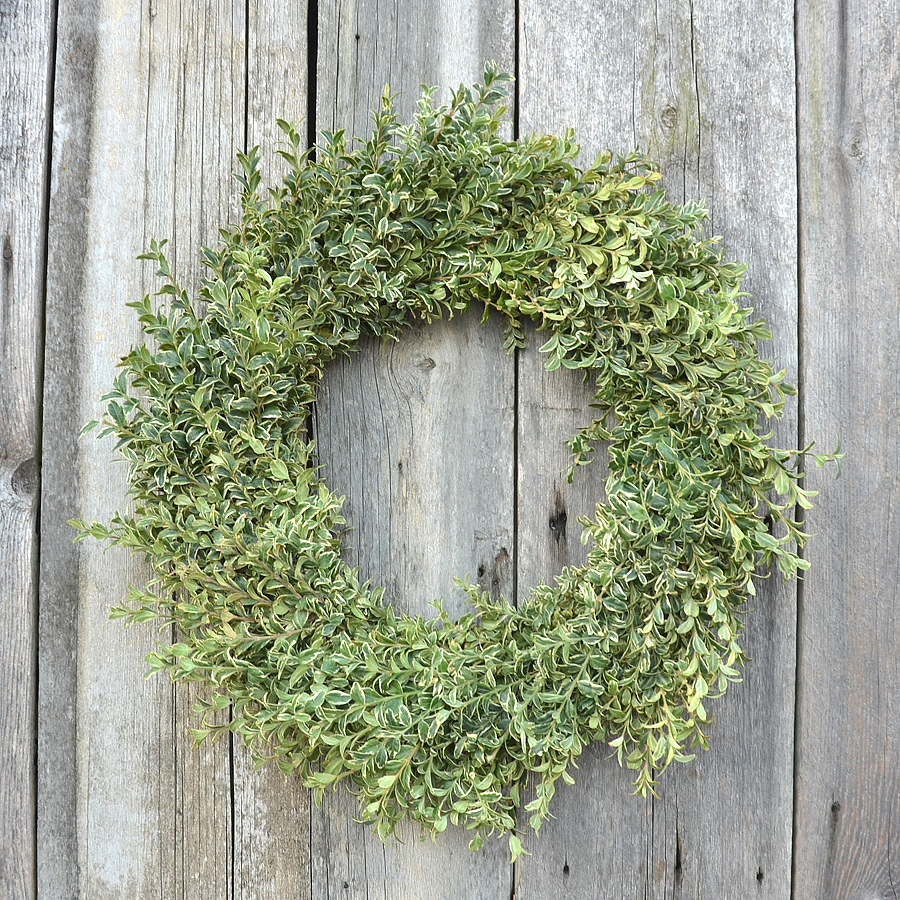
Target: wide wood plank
[26, 34]
[150, 107]
[271, 812]
[419, 435]
[847, 840]
[106, 733]
[709, 93]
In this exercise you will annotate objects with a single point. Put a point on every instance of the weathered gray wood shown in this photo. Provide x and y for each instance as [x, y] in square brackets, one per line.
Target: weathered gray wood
[150, 107]
[271, 812]
[197, 85]
[25, 85]
[709, 91]
[57, 860]
[109, 728]
[271, 833]
[848, 774]
[418, 436]
[277, 63]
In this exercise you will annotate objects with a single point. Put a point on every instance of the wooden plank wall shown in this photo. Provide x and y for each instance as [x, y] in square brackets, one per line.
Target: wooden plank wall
[782, 117]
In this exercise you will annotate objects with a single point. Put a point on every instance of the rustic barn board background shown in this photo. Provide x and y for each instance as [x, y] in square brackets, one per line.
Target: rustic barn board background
[119, 122]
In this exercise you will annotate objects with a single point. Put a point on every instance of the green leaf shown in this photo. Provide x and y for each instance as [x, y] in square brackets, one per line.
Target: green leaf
[515, 848]
[637, 512]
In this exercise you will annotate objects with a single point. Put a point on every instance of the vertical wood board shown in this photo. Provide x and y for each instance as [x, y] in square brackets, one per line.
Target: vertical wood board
[848, 786]
[150, 109]
[197, 81]
[121, 766]
[271, 812]
[417, 435]
[57, 861]
[26, 32]
[710, 97]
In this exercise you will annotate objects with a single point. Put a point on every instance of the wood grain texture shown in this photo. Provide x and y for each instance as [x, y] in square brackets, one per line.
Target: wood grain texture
[418, 435]
[710, 95]
[848, 772]
[150, 107]
[197, 85]
[118, 773]
[57, 861]
[277, 75]
[151, 100]
[25, 86]
[271, 812]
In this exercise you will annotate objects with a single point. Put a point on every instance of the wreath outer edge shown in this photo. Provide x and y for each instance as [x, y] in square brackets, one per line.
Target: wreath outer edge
[453, 722]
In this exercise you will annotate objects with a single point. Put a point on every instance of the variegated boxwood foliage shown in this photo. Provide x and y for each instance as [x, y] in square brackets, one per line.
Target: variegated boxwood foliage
[437, 720]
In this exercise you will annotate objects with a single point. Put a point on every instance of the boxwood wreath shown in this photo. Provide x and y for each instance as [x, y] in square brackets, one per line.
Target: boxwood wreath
[436, 720]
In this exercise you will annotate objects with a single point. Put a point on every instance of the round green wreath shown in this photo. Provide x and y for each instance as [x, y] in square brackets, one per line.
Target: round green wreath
[437, 720]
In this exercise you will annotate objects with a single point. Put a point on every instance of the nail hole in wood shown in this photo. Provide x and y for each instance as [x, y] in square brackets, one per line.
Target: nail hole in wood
[558, 518]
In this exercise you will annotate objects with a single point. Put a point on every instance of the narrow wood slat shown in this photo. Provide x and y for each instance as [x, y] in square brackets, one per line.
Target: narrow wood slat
[25, 86]
[847, 838]
[149, 109]
[196, 99]
[271, 812]
[197, 82]
[710, 93]
[57, 859]
[417, 435]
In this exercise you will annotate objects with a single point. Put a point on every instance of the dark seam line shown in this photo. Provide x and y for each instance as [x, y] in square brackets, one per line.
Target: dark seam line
[40, 372]
[516, 98]
[246, 146]
[232, 792]
[232, 811]
[517, 94]
[312, 69]
[516, 71]
[799, 514]
[312, 66]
